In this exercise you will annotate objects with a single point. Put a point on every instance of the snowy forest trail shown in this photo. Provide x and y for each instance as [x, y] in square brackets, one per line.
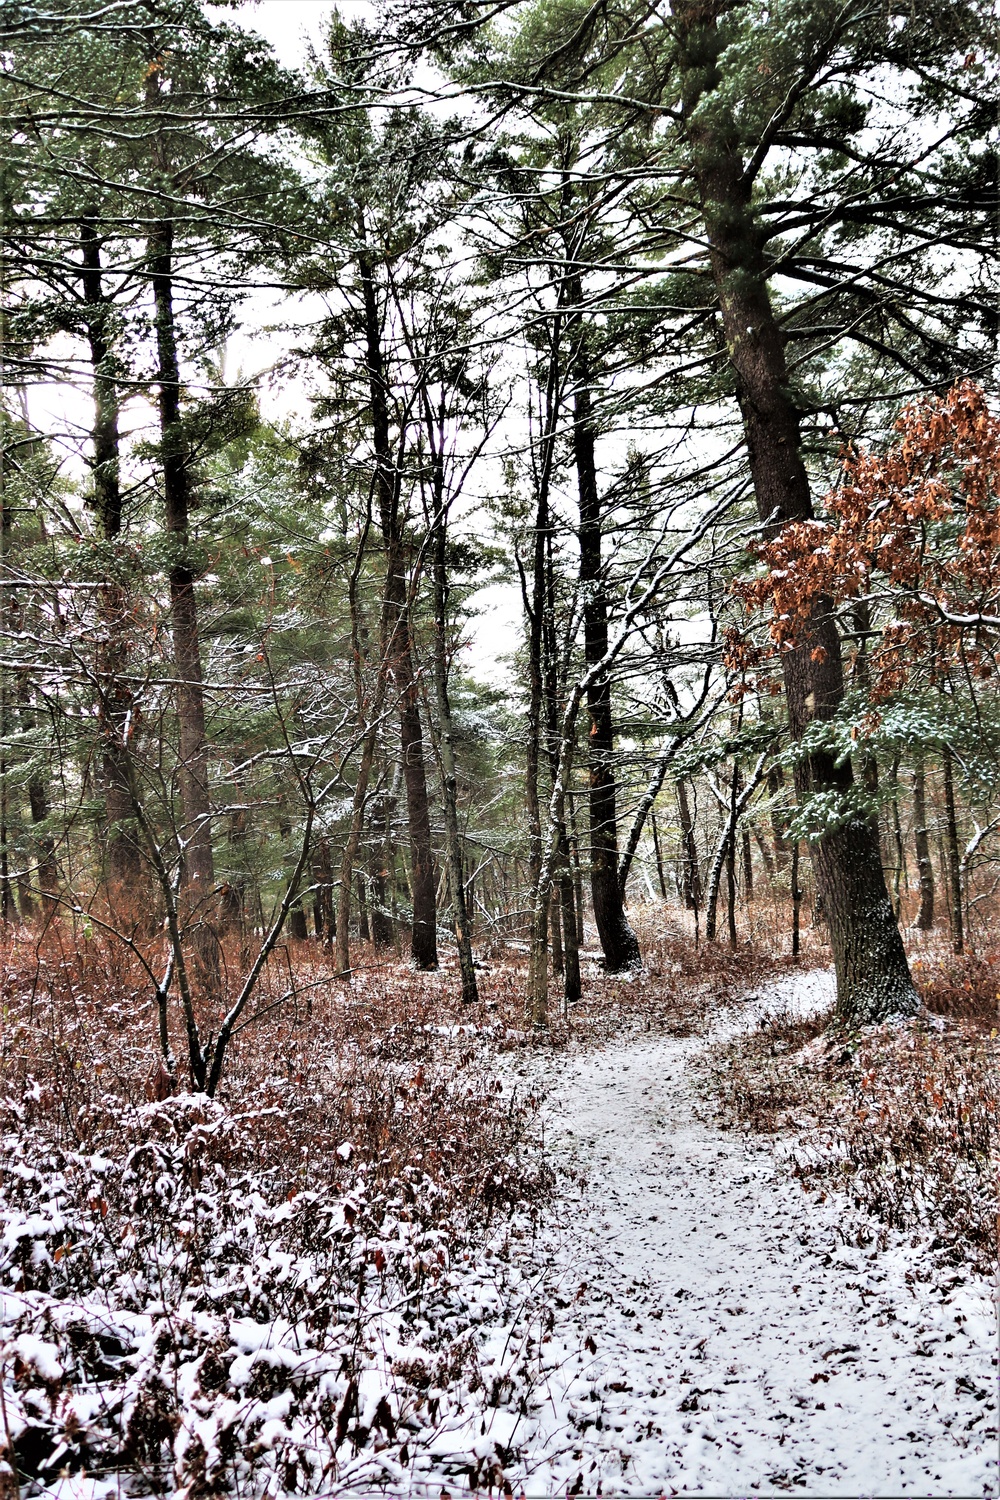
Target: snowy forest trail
[710, 1330]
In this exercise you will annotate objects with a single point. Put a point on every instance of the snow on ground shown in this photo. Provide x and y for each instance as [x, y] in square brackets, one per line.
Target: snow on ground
[684, 1319]
[712, 1332]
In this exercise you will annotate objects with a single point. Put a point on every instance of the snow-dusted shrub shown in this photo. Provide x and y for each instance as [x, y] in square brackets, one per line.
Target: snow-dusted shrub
[964, 987]
[905, 1119]
[274, 1290]
[913, 1133]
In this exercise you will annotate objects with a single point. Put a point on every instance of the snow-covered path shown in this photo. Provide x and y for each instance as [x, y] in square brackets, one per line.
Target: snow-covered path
[711, 1332]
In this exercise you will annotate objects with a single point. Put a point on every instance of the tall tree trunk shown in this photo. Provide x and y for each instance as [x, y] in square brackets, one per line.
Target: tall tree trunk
[658, 852]
[796, 901]
[7, 908]
[953, 855]
[692, 876]
[424, 933]
[621, 948]
[775, 787]
[747, 865]
[379, 864]
[536, 603]
[574, 854]
[116, 704]
[714, 882]
[555, 927]
[424, 941]
[572, 987]
[45, 844]
[745, 851]
[925, 869]
[446, 742]
[731, 857]
[901, 880]
[873, 978]
[198, 859]
[324, 919]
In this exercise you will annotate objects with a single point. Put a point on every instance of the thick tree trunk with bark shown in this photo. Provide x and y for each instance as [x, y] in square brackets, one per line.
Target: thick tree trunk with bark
[555, 927]
[925, 869]
[621, 948]
[731, 860]
[796, 902]
[116, 698]
[873, 978]
[536, 604]
[714, 881]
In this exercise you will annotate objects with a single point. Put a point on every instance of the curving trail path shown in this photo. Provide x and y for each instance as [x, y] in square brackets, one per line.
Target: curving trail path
[711, 1332]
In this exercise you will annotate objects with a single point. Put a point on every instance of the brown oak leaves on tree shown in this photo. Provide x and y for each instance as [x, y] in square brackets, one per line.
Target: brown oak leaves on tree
[913, 537]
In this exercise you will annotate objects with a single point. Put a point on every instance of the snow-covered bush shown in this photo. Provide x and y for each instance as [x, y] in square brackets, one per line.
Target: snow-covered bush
[278, 1290]
[905, 1119]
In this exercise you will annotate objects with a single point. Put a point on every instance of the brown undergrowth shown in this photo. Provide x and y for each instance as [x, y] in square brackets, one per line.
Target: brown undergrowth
[903, 1118]
[281, 1289]
[276, 1289]
[963, 987]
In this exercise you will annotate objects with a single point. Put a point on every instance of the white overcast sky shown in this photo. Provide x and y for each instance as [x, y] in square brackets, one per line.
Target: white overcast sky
[289, 24]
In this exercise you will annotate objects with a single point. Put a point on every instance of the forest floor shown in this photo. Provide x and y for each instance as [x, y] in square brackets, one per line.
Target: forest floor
[714, 1329]
[694, 1242]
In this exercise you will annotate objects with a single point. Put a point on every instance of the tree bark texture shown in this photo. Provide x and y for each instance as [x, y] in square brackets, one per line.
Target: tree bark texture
[953, 857]
[555, 927]
[925, 869]
[424, 933]
[618, 941]
[714, 882]
[449, 769]
[658, 853]
[536, 604]
[572, 988]
[116, 706]
[692, 874]
[796, 901]
[731, 859]
[199, 864]
[873, 978]
[379, 859]
[38, 800]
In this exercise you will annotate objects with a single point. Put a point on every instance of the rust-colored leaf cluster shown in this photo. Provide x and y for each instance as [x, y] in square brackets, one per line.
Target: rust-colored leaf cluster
[914, 535]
